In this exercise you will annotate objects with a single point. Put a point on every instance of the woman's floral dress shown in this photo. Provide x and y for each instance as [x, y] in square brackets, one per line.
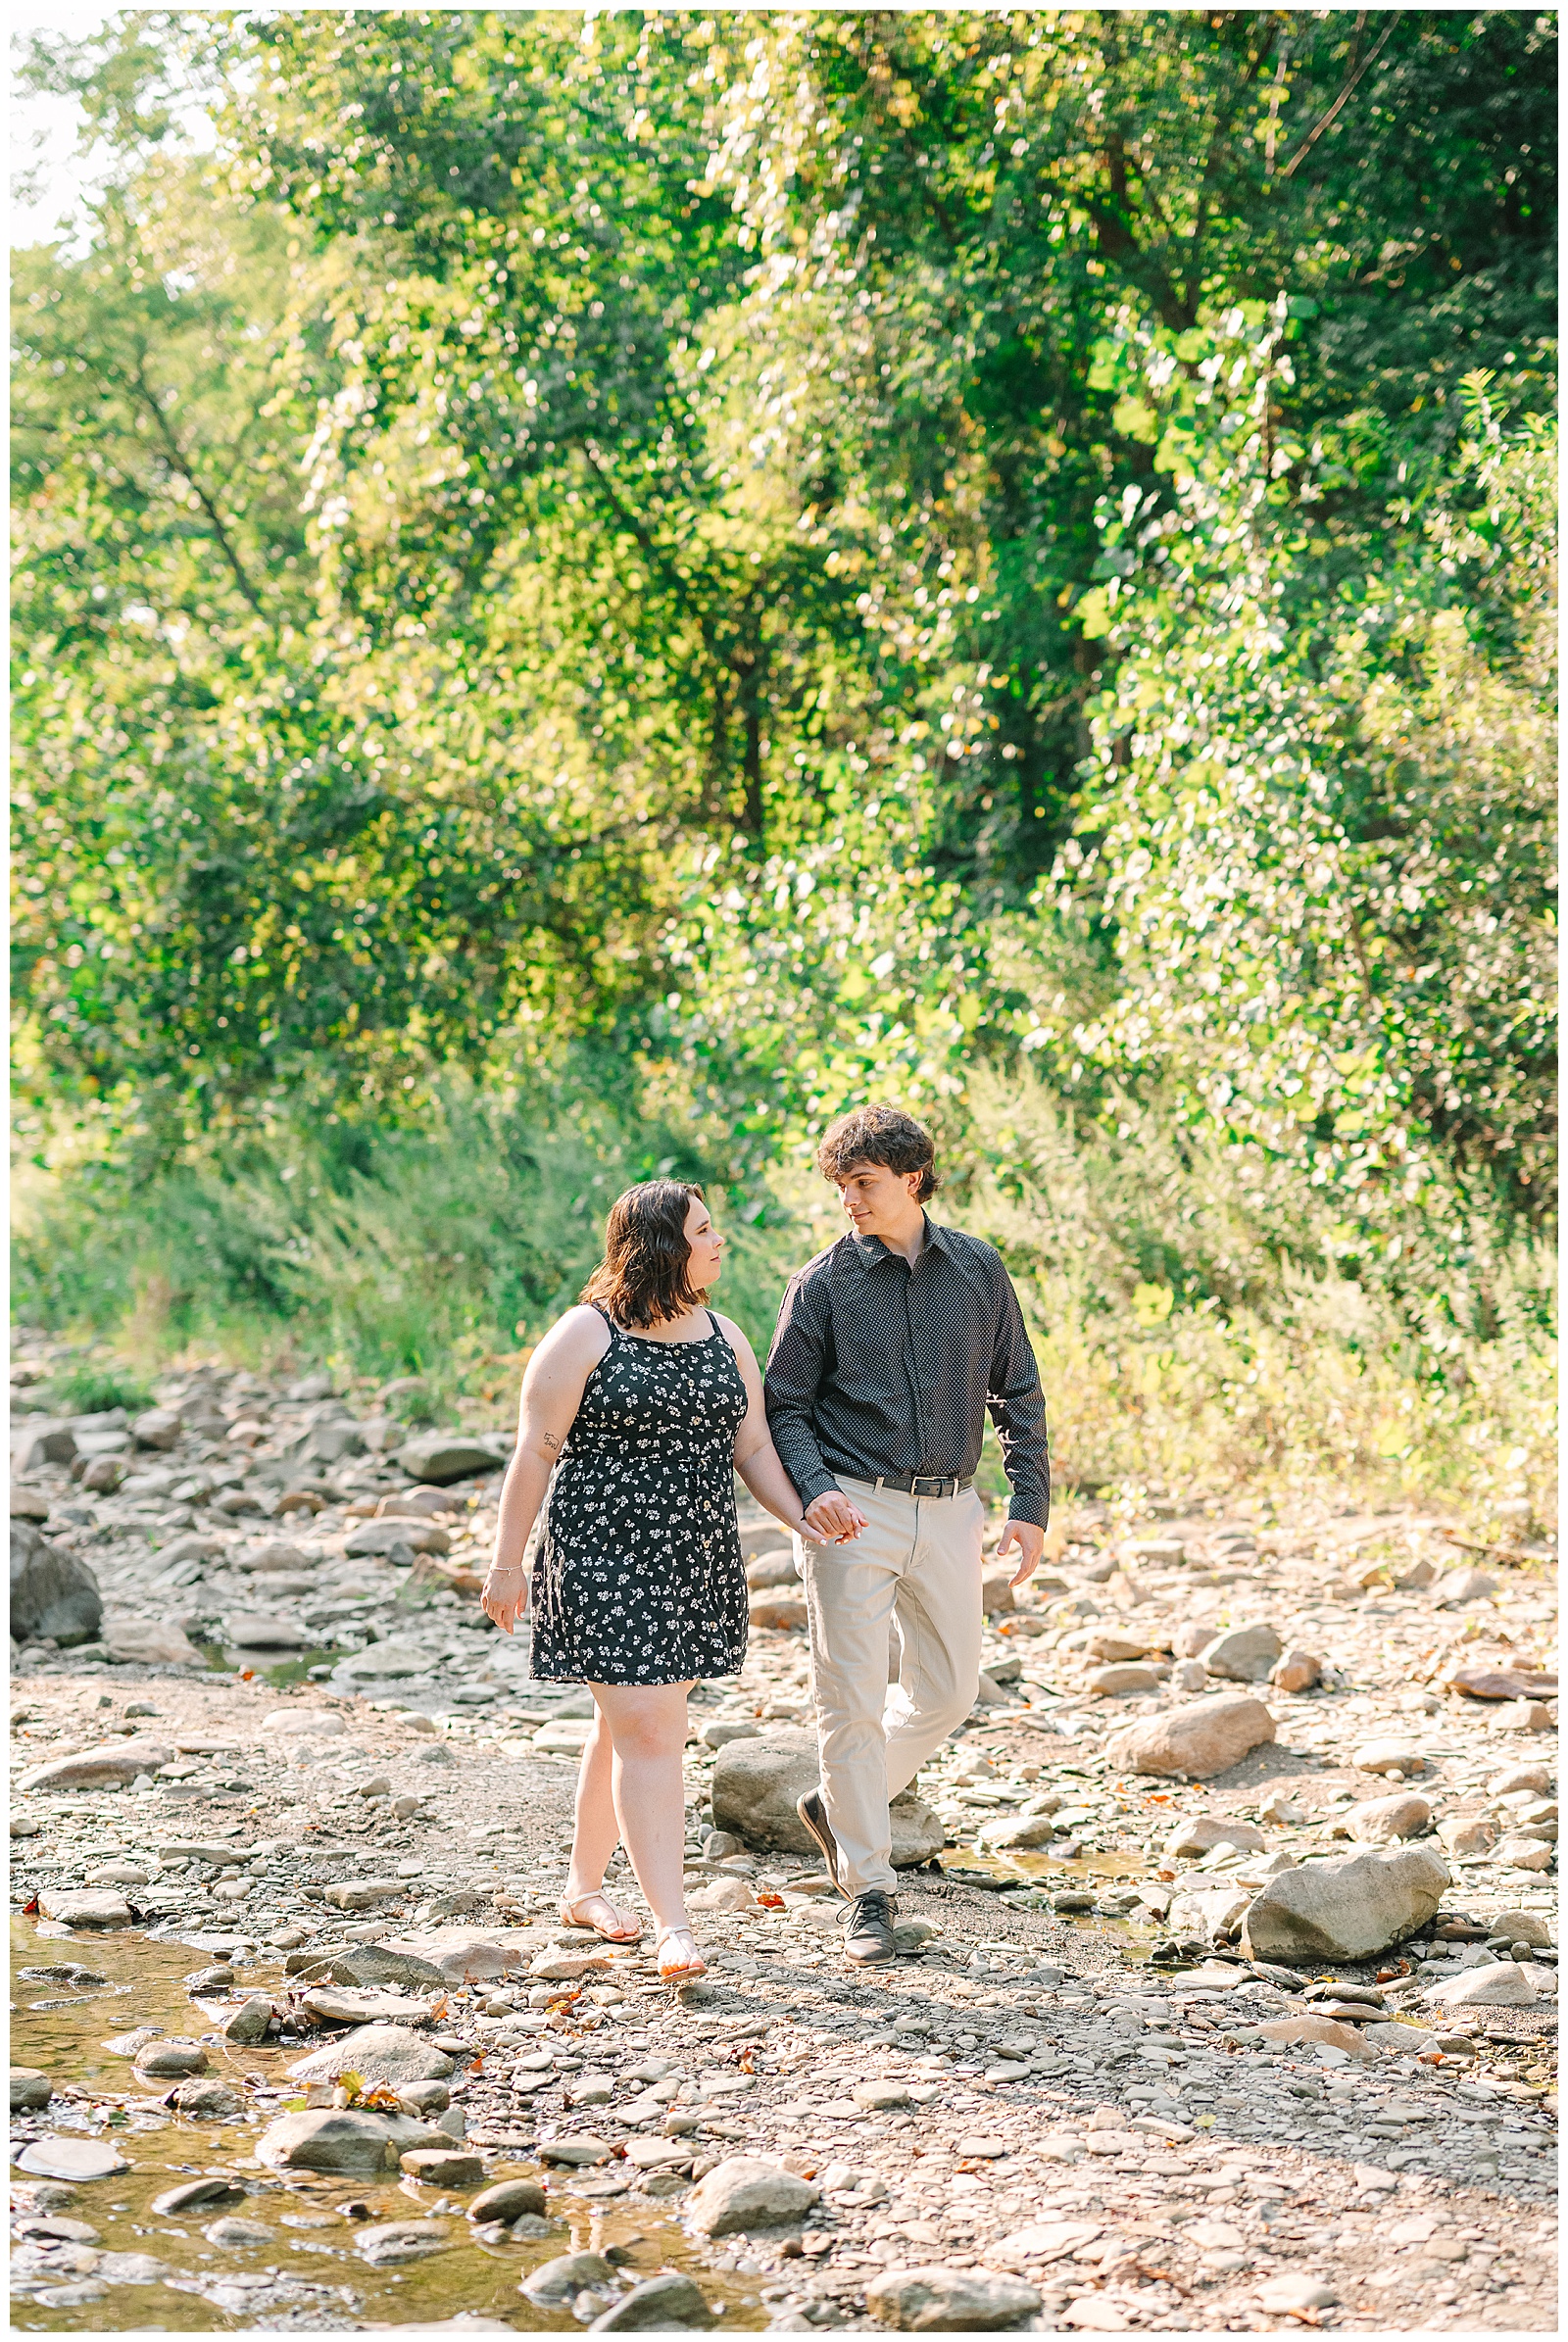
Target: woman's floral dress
[639, 1577]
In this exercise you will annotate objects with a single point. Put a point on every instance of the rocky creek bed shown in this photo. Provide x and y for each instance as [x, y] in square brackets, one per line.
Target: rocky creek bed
[1267, 2047]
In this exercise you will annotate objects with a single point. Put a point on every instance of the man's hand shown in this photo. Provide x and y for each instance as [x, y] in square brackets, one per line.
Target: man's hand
[1030, 1541]
[503, 1596]
[832, 1519]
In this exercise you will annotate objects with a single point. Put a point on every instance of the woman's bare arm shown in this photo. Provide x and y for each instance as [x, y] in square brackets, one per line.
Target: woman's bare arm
[756, 1458]
[552, 1393]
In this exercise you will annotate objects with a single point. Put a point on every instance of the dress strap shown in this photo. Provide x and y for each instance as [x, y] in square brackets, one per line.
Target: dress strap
[614, 1329]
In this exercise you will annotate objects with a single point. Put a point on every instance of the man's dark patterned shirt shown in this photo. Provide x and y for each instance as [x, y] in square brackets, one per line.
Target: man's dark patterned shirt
[878, 1369]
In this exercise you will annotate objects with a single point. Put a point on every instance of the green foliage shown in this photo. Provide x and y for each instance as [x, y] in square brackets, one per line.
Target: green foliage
[1319, 820]
[590, 591]
[94, 1387]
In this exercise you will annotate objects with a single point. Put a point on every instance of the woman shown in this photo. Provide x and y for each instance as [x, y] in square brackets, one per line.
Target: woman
[640, 1403]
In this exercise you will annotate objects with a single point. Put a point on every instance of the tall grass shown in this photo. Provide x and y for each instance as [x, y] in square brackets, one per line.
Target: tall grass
[1196, 1328]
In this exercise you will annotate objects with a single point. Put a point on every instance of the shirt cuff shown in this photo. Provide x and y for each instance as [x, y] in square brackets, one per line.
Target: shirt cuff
[815, 1484]
[1035, 1509]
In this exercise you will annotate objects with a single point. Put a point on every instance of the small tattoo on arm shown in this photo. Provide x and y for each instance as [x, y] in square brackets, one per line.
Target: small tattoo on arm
[552, 1442]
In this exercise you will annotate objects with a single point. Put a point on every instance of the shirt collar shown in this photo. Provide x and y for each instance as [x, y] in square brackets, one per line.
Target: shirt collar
[872, 1248]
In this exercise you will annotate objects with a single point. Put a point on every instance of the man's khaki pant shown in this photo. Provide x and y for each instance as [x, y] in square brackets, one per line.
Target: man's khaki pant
[916, 1566]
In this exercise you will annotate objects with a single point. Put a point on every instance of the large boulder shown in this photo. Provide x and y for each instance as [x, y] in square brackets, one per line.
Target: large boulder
[343, 2142]
[1345, 1910]
[443, 1456]
[392, 2054]
[756, 1784]
[1208, 1736]
[52, 1592]
[1243, 1654]
[84, 1907]
[949, 2301]
[746, 2193]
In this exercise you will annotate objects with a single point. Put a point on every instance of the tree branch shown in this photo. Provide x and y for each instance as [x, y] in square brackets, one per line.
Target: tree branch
[1358, 75]
[182, 463]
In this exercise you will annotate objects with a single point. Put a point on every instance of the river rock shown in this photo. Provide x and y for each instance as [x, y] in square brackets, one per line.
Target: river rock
[150, 1642]
[172, 2061]
[52, 1592]
[1387, 1756]
[756, 1784]
[746, 2193]
[1114, 1645]
[443, 1456]
[435, 1956]
[1523, 1926]
[250, 1633]
[365, 1894]
[40, 1443]
[670, 2303]
[1348, 1909]
[776, 1610]
[1242, 1655]
[1018, 1834]
[392, 2054]
[1296, 1670]
[247, 2024]
[1522, 1716]
[389, 2243]
[30, 2089]
[65, 2158]
[303, 1723]
[1115, 1682]
[342, 2142]
[766, 1570]
[1331, 2031]
[1499, 1682]
[191, 2195]
[1457, 1587]
[328, 2005]
[444, 2166]
[509, 2200]
[1385, 1820]
[949, 2301]
[1207, 1912]
[84, 1907]
[720, 1730]
[561, 2281]
[382, 1663]
[158, 1427]
[277, 1553]
[381, 1537]
[209, 2100]
[1467, 1834]
[1205, 1831]
[1207, 1738]
[1501, 1984]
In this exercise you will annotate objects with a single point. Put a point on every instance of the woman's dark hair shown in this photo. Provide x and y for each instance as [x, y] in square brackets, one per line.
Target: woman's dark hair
[883, 1135]
[645, 1276]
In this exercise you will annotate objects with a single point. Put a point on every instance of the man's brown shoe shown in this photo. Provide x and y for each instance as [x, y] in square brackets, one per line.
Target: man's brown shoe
[813, 1813]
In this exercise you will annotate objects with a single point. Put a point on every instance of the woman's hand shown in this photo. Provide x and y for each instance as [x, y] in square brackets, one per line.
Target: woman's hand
[503, 1596]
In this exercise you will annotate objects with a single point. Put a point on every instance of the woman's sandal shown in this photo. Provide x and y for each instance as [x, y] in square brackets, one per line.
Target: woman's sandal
[680, 1970]
[629, 1931]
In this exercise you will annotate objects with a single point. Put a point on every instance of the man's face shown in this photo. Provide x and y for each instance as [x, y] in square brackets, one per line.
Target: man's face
[876, 1199]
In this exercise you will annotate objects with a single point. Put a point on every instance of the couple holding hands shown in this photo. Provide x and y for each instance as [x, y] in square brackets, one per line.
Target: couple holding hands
[862, 1437]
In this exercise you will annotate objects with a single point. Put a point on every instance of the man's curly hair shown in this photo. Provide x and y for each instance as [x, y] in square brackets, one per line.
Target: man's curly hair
[880, 1135]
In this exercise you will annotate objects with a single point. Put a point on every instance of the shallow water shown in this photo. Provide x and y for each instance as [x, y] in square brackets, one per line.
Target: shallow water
[308, 2272]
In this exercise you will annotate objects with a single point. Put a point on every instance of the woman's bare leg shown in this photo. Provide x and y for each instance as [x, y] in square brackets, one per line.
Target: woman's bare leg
[647, 1724]
[595, 1832]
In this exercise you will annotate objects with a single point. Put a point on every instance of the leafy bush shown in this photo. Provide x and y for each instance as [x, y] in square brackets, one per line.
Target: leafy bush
[95, 1386]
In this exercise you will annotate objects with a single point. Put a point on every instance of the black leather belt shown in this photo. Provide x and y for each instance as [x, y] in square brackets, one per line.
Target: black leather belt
[909, 1486]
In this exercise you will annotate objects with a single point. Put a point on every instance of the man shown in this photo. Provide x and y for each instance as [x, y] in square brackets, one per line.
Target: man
[889, 1348]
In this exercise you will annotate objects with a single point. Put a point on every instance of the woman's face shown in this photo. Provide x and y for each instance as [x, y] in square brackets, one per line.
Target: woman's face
[705, 1245]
